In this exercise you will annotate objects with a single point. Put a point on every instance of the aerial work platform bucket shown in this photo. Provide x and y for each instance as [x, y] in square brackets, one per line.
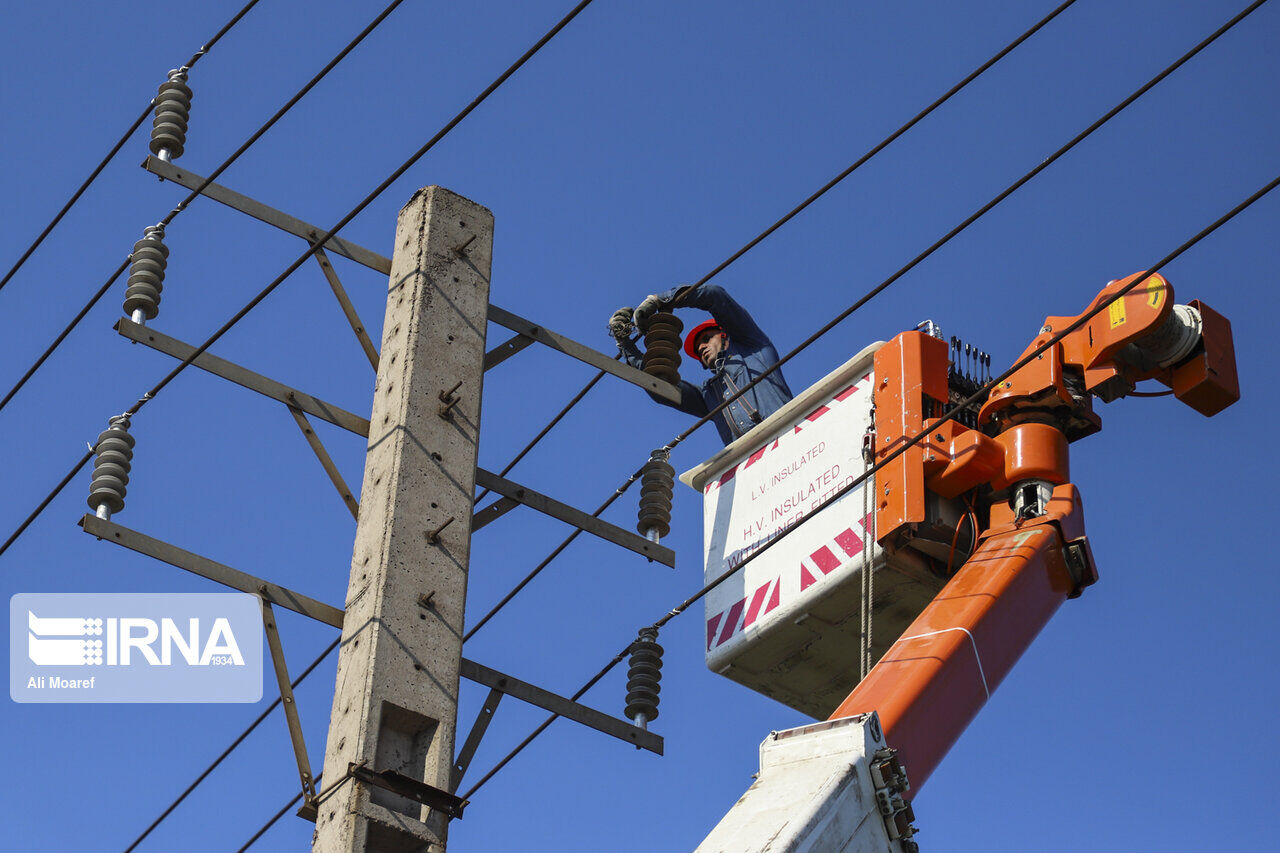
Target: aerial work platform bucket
[788, 623]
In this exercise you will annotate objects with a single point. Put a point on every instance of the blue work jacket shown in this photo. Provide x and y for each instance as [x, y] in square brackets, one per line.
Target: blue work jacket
[749, 353]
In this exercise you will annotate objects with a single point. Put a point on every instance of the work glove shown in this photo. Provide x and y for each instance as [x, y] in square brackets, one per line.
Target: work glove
[620, 324]
[650, 306]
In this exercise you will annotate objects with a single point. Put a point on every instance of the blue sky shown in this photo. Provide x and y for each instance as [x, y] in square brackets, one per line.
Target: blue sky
[638, 150]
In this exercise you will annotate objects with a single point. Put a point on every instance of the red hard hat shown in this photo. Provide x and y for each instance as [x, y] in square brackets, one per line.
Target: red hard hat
[693, 336]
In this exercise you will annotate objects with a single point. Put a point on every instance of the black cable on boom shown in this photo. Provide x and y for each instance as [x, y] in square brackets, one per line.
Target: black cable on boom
[115, 149]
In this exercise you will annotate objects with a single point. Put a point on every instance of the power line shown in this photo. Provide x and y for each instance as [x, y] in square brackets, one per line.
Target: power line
[972, 218]
[949, 415]
[506, 599]
[195, 193]
[149, 395]
[884, 143]
[231, 748]
[897, 275]
[986, 388]
[115, 149]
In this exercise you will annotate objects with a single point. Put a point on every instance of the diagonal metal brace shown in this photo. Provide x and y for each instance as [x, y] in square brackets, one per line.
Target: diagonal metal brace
[582, 352]
[326, 461]
[348, 309]
[574, 516]
[269, 215]
[217, 572]
[478, 728]
[505, 350]
[492, 512]
[244, 377]
[286, 699]
[567, 708]
[420, 792]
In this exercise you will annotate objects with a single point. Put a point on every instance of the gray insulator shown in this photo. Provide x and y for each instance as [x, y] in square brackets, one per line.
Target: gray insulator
[656, 484]
[173, 109]
[111, 467]
[643, 677]
[146, 273]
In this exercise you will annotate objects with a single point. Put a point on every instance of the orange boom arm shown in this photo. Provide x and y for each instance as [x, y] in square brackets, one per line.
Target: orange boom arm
[1011, 465]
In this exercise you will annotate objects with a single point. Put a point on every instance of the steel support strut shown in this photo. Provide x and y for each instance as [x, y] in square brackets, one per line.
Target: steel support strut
[933, 681]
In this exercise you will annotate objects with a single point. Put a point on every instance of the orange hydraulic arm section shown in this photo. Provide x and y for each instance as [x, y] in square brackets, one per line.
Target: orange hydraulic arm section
[1011, 466]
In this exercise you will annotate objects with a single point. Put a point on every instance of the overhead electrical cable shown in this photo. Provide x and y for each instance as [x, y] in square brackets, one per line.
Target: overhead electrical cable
[969, 220]
[115, 149]
[195, 193]
[884, 143]
[231, 748]
[821, 191]
[479, 99]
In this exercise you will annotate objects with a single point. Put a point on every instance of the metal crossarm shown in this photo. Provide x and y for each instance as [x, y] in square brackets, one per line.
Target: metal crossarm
[567, 708]
[524, 328]
[269, 215]
[217, 572]
[582, 352]
[244, 377]
[574, 516]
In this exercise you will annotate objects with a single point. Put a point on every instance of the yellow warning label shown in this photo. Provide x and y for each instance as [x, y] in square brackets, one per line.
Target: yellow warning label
[1116, 312]
[1155, 292]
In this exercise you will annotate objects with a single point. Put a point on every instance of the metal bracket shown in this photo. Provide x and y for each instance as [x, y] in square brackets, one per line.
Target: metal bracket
[576, 517]
[286, 699]
[420, 792]
[244, 377]
[269, 215]
[478, 729]
[492, 512]
[326, 461]
[582, 352]
[217, 572]
[504, 351]
[348, 309]
[567, 708]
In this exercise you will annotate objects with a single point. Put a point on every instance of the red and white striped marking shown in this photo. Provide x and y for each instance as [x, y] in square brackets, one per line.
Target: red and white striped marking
[799, 427]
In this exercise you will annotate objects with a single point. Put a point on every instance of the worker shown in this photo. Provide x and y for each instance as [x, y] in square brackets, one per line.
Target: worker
[730, 345]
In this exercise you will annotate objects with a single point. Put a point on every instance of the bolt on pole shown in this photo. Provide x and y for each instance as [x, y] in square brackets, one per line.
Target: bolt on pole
[395, 704]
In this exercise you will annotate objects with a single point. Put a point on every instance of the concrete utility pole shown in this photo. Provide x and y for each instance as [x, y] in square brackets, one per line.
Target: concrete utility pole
[395, 705]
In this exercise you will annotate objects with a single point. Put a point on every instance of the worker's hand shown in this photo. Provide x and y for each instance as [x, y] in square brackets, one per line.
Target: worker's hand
[651, 305]
[620, 324]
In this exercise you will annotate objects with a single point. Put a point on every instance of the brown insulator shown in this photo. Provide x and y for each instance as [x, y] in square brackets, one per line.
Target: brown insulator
[662, 347]
[657, 482]
[643, 678]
